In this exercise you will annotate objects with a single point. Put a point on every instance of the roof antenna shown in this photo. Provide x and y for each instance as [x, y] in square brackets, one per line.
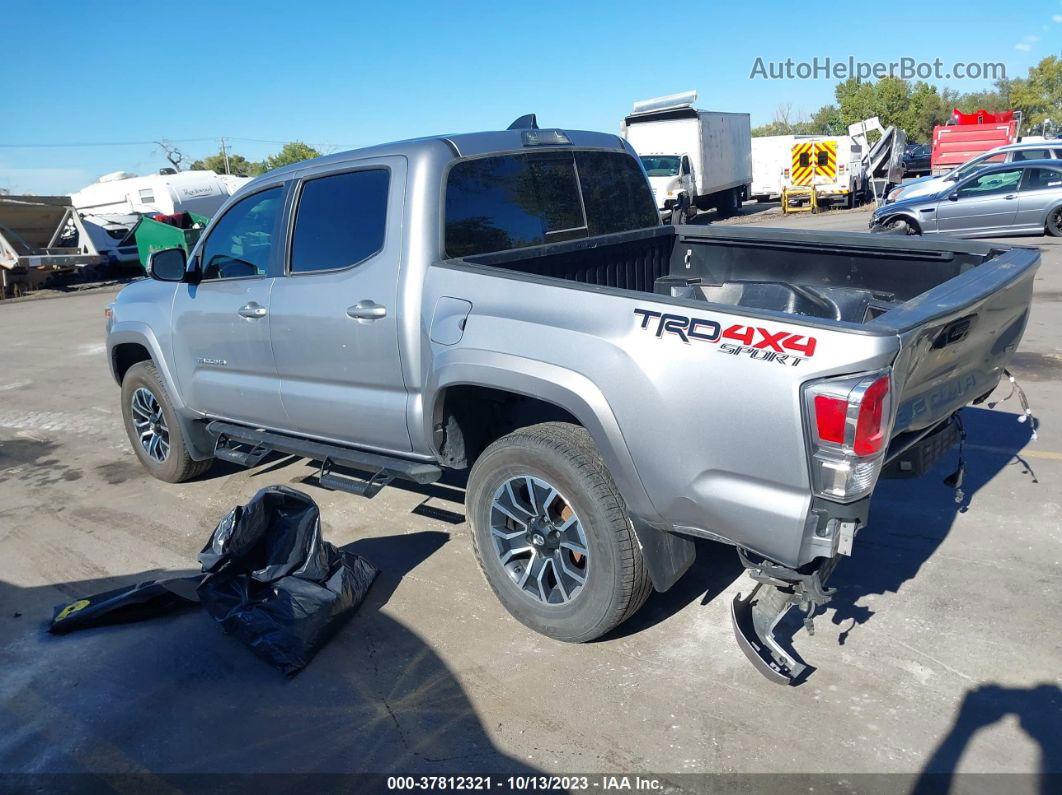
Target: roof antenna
[525, 122]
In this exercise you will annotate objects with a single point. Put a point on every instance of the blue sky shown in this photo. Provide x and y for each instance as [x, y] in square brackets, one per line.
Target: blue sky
[345, 74]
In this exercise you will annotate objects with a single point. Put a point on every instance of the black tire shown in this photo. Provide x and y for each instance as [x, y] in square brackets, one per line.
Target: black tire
[616, 581]
[177, 465]
[680, 213]
[897, 226]
[1053, 226]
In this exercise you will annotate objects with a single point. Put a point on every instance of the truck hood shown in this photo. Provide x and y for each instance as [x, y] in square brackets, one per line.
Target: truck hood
[661, 185]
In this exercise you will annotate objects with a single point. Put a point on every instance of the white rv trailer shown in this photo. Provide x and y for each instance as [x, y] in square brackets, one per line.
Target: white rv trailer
[695, 159]
[122, 193]
[111, 206]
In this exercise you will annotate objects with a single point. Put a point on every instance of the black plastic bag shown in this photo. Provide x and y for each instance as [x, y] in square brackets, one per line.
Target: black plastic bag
[131, 603]
[268, 578]
[275, 584]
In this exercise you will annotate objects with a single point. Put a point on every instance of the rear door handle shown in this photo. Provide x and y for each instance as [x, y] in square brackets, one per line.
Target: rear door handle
[367, 310]
[253, 310]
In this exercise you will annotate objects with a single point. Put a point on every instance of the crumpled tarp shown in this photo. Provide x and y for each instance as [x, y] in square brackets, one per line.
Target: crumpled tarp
[268, 578]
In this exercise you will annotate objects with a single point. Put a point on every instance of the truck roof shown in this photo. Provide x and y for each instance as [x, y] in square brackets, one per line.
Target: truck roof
[461, 145]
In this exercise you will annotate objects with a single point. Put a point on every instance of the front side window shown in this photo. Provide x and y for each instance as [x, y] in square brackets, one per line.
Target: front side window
[990, 184]
[241, 241]
[514, 201]
[341, 220]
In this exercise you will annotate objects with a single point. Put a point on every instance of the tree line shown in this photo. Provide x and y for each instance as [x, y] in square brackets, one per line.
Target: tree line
[228, 162]
[917, 107]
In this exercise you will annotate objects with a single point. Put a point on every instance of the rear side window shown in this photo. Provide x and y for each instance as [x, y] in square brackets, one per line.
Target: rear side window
[514, 201]
[1031, 154]
[1041, 178]
[340, 220]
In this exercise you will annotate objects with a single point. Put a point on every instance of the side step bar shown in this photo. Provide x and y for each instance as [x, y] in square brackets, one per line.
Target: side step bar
[247, 446]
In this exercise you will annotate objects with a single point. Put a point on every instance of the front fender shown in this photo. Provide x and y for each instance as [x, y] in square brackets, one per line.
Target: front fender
[200, 443]
[140, 333]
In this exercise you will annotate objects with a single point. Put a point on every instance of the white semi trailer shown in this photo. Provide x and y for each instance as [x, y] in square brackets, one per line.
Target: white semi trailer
[695, 159]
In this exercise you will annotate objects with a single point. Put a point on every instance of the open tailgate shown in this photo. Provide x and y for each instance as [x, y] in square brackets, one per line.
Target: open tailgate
[957, 338]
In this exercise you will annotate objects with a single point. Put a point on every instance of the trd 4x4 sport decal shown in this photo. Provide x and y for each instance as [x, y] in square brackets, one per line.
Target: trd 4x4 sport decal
[782, 347]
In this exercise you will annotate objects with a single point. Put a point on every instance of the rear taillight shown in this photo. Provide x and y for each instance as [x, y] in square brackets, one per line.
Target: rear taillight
[870, 426]
[830, 414]
[849, 420]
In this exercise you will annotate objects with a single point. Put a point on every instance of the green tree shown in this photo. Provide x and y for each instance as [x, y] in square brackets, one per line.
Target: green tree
[237, 164]
[293, 152]
[1039, 96]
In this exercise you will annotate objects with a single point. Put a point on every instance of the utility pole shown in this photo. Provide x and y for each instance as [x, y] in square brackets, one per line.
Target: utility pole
[225, 155]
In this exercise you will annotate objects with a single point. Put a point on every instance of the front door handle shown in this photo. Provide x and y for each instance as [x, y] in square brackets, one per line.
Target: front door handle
[1010, 196]
[367, 310]
[253, 310]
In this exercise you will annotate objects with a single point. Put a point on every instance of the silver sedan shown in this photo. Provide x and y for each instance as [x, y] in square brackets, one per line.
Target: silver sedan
[1004, 199]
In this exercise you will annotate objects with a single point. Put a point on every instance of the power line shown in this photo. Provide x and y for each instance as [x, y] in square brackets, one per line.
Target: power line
[88, 144]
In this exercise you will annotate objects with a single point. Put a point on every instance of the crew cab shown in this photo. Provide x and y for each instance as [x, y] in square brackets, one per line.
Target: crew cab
[508, 304]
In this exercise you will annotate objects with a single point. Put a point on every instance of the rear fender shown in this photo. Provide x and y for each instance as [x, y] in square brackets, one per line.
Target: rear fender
[667, 555]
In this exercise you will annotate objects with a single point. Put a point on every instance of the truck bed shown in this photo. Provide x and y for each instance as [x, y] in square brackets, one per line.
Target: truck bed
[958, 307]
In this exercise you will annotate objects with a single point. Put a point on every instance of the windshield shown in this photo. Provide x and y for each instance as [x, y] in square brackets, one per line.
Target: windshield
[661, 165]
[978, 163]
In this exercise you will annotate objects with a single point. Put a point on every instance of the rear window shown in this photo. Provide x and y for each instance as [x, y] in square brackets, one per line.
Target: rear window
[527, 199]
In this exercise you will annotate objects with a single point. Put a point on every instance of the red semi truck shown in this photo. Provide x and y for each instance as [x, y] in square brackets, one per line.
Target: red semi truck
[970, 134]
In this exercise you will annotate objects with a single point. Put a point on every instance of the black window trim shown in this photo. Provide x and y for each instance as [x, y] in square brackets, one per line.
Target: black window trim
[197, 258]
[445, 181]
[293, 215]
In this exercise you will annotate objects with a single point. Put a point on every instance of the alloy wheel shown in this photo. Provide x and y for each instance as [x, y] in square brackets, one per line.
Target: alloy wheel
[150, 424]
[539, 540]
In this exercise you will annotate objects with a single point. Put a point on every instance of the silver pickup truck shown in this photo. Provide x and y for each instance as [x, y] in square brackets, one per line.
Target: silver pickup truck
[507, 303]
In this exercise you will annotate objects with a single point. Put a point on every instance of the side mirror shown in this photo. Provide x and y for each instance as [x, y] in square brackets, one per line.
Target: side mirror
[168, 265]
[953, 196]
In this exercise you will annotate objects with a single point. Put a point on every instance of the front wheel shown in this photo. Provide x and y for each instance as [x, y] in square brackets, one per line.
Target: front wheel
[552, 534]
[153, 428]
[1053, 226]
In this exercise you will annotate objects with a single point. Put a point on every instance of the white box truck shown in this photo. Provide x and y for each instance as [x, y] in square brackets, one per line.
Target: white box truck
[695, 159]
[770, 157]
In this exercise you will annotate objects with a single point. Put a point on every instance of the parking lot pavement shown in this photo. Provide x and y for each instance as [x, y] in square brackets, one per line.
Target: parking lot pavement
[940, 651]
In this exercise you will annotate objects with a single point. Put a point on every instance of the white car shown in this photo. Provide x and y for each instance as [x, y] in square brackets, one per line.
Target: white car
[927, 186]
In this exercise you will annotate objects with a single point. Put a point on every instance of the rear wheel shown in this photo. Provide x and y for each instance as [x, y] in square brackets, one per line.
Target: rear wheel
[1053, 226]
[552, 534]
[153, 428]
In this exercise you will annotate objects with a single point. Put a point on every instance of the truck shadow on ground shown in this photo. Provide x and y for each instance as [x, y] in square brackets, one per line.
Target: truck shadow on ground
[173, 695]
[1036, 709]
[909, 519]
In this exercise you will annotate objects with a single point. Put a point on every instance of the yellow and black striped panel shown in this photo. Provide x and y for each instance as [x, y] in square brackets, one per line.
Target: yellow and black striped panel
[826, 159]
[803, 164]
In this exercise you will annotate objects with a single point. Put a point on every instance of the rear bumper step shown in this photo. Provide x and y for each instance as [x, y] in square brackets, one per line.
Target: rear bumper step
[247, 446]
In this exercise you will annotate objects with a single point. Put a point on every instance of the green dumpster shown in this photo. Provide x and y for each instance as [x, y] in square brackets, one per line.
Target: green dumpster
[179, 231]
